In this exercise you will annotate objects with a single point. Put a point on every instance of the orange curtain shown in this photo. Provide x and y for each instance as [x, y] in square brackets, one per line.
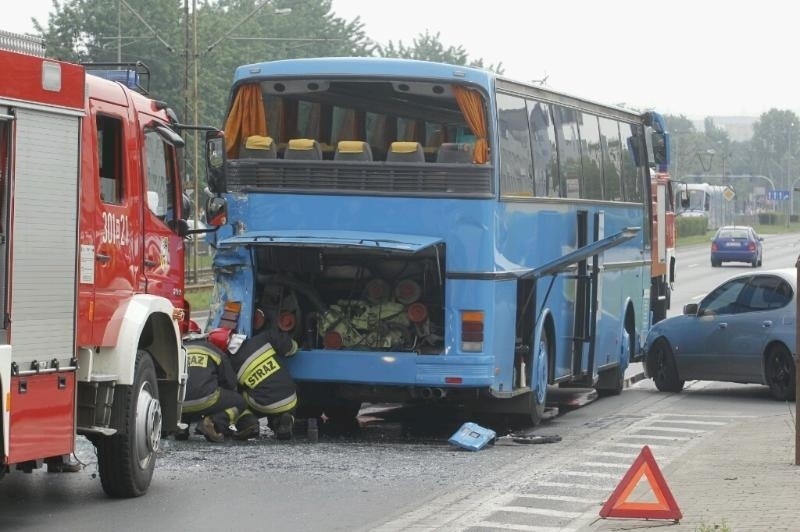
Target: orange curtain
[471, 105]
[247, 117]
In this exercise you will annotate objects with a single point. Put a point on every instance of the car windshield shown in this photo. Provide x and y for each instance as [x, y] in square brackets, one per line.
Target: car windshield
[733, 233]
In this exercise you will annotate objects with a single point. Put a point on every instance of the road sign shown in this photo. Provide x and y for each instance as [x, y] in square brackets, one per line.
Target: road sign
[778, 195]
[728, 194]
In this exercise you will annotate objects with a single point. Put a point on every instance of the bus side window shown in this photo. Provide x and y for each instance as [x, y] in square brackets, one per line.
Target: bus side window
[545, 155]
[516, 164]
[632, 154]
[591, 158]
[569, 151]
[612, 159]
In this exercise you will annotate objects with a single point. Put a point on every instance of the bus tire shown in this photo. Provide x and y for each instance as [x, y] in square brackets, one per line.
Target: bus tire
[126, 460]
[540, 369]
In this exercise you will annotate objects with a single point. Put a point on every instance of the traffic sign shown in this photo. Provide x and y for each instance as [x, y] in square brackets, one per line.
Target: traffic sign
[778, 195]
[728, 194]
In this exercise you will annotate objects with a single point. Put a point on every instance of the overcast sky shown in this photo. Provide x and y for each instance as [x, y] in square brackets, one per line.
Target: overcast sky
[693, 57]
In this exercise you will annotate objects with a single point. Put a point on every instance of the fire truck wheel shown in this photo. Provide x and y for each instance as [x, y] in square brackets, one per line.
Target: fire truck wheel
[126, 459]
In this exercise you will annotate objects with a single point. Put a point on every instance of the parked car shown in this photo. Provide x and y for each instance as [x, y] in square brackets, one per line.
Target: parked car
[737, 243]
[742, 331]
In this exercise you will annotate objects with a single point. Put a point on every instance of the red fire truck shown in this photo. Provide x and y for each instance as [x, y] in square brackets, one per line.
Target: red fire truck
[91, 274]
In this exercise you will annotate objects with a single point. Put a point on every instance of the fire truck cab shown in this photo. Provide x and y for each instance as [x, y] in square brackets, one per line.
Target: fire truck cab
[91, 268]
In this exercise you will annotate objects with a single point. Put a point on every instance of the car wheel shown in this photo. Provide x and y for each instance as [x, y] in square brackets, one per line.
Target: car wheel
[715, 263]
[779, 371]
[754, 262]
[661, 363]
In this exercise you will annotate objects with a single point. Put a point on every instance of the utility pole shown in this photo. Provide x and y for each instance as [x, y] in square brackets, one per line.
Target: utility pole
[195, 99]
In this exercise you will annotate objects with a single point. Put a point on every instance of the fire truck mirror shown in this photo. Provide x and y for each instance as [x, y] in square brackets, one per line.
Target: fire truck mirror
[215, 162]
[216, 211]
[179, 227]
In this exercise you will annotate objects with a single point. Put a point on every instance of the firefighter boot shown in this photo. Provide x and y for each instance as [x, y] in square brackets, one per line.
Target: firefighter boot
[207, 429]
[285, 426]
[246, 433]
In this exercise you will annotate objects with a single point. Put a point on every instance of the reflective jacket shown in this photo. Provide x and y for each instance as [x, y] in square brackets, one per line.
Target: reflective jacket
[264, 381]
[209, 370]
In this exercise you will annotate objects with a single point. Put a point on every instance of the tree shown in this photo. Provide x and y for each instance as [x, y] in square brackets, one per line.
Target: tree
[776, 143]
[229, 33]
[427, 47]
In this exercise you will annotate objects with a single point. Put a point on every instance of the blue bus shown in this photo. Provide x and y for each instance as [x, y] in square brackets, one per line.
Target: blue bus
[434, 233]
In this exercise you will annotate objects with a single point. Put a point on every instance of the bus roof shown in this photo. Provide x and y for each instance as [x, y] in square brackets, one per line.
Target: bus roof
[360, 66]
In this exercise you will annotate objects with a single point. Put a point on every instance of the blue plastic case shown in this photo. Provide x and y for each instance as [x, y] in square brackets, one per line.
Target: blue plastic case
[472, 437]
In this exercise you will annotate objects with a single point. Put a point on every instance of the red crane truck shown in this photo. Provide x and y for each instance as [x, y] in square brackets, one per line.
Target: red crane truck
[91, 268]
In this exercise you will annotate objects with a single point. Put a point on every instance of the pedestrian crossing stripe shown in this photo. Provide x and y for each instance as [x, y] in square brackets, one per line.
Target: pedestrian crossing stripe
[665, 506]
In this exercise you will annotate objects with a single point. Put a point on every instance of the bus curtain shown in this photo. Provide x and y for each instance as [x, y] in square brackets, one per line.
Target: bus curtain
[247, 117]
[471, 105]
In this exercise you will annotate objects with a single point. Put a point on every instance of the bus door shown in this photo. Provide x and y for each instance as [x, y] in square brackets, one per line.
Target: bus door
[586, 298]
[580, 332]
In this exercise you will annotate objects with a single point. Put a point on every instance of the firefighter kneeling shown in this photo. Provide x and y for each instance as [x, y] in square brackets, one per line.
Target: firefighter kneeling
[212, 398]
[265, 383]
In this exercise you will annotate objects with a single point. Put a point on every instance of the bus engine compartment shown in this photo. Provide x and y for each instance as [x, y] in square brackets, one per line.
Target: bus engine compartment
[354, 299]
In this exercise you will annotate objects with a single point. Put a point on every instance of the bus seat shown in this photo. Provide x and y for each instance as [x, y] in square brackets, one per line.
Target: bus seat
[303, 150]
[405, 152]
[258, 147]
[353, 150]
[454, 152]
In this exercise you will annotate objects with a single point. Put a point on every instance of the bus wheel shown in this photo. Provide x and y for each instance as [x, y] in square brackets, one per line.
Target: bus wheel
[538, 396]
[126, 460]
[612, 381]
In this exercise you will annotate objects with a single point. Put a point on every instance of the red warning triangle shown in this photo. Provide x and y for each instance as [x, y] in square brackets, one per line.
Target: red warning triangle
[665, 506]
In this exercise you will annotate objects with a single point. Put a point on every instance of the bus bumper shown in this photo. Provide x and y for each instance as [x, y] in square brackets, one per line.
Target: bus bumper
[389, 368]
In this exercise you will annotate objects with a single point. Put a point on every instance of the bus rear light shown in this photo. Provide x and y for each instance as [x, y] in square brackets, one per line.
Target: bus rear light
[332, 340]
[472, 331]
[287, 321]
[417, 312]
[453, 380]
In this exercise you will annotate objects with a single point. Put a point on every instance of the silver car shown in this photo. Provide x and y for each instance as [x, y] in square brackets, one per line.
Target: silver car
[742, 331]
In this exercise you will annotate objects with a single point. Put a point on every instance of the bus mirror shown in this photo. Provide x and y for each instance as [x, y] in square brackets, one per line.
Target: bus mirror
[215, 161]
[216, 211]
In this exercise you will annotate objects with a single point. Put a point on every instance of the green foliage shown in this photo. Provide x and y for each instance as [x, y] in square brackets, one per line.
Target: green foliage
[771, 218]
[428, 47]
[691, 225]
[220, 36]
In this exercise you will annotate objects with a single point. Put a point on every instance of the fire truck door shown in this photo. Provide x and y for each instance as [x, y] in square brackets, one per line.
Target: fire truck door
[163, 247]
[116, 219]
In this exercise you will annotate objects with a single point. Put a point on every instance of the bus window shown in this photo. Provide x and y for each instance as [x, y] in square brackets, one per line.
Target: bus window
[632, 176]
[516, 165]
[591, 157]
[308, 121]
[569, 151]
[545, 156]
[612, 158]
